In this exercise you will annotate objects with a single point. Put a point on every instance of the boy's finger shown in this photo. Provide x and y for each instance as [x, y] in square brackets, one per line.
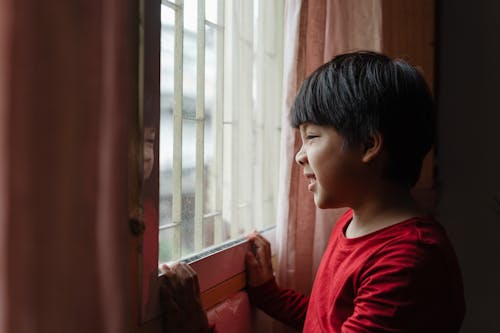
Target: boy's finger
[166, 287]
[189, 269]
[253, 233]
[261, 241]
[191, 274]
[164, 268]
[251, 261]
[262, 249]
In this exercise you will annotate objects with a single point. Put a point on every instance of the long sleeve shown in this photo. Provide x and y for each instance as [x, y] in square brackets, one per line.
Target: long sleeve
[284, 305]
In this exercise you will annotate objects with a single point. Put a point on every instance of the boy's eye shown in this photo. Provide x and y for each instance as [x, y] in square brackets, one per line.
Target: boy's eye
[311, 136]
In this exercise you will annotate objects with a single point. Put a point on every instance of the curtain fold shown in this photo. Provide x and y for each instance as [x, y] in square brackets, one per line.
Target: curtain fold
[315, 31]
[67, 90]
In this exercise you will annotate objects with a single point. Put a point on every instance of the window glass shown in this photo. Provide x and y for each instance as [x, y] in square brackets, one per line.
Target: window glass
[221, 72]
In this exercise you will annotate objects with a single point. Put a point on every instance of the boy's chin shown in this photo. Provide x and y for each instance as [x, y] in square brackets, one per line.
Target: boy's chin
[324, 204]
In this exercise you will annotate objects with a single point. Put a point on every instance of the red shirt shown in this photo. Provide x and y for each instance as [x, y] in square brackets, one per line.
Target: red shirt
[403, 278]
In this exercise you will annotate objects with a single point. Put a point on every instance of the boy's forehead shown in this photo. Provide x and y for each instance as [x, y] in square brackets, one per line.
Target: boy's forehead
[304, 126]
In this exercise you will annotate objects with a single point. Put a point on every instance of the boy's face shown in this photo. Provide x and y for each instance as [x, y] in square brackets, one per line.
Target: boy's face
[332, 169]
[149, 156]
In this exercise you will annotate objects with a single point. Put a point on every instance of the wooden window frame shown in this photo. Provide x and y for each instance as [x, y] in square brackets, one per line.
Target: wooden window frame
[215, 284]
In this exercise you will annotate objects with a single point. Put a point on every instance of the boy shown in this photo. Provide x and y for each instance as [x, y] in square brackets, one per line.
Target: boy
[366, 123]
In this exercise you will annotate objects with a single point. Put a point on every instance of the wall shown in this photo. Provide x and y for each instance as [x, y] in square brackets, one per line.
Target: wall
[468, 150]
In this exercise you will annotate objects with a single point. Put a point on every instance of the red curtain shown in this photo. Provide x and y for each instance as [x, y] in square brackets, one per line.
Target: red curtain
[68, 88]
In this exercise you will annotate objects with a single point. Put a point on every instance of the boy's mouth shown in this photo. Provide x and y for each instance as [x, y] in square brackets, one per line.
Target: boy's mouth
[312, 181]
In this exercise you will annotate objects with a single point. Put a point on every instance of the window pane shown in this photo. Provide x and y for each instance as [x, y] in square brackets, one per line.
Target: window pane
[236, 115]
[211, 163]
[211, 10]
[166, 136]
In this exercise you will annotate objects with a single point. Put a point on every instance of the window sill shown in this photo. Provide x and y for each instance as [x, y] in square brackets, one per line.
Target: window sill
[221, 274]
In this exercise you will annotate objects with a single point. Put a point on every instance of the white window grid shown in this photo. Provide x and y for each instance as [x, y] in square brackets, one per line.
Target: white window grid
[242, 184]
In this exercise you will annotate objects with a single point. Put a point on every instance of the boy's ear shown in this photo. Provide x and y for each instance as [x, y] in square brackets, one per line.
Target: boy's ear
[372, 147]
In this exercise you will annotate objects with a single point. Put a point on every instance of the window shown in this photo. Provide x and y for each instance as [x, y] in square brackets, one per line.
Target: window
[220, 115]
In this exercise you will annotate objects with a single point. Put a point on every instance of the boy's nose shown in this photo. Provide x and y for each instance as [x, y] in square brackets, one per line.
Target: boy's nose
[300, 157]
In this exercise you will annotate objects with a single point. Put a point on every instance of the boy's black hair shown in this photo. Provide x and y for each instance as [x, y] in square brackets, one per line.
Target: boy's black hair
[150, 118]
[364, 92]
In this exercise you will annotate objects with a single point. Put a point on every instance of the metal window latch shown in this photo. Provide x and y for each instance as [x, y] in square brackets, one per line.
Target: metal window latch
[137, 227]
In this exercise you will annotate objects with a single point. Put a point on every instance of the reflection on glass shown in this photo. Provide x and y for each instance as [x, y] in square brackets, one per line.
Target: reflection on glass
[150, 214]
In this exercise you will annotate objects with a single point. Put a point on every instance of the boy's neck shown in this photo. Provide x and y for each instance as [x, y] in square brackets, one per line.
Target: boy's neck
[381, 208]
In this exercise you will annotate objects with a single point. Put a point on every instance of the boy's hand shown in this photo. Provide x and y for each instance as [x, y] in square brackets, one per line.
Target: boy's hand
[180, 298]
[258, 262]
